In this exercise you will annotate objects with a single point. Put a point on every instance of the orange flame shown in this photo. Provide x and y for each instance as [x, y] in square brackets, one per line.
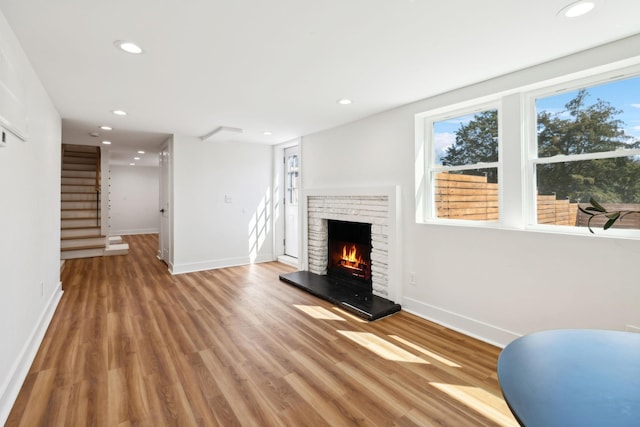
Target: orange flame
[351, 256]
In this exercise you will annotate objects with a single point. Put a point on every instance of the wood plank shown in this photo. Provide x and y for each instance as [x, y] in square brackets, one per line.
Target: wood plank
[131, 344]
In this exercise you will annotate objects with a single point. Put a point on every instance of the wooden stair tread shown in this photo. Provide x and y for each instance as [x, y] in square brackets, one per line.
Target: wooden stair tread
[82, 248]
[79, 192]
[73, 153]
[80, 148]
[79, 167]
[89, 175]
[91, 236]
[79, 228]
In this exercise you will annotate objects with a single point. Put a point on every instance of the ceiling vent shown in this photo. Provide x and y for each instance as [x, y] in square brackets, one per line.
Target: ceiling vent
[221, 133]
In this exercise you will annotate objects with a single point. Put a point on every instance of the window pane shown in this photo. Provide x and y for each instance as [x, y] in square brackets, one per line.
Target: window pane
[292, 179]
[466, 140]
[469, 195]
[609, 181]
[592, 120]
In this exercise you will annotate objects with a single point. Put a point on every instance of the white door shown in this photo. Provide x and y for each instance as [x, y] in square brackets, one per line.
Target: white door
[164, 241]
[292, 180]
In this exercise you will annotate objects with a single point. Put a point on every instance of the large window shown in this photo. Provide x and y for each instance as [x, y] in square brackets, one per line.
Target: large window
[464, 165]
[564, 146]
[587, 147]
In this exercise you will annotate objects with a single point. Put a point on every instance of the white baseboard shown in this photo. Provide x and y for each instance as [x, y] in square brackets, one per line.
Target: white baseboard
[218, 263]
[289, 260]
[474, 328]
[18, 373]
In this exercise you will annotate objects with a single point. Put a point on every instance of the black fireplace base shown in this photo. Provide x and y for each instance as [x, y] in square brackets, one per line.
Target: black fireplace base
[349, 297]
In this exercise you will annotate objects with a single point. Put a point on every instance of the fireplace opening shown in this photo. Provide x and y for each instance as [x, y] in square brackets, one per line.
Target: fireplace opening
[349, 245]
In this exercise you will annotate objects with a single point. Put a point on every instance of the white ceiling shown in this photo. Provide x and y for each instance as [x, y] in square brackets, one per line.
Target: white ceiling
[281, 65]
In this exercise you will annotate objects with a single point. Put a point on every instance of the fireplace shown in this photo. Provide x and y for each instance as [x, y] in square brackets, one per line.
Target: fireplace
[363, 276]
[349, 252]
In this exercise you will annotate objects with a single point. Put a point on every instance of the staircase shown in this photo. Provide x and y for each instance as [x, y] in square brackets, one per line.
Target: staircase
[80, 229]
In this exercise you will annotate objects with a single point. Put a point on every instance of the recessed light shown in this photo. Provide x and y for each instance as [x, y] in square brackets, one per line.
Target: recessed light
[128, 47]
[267, 133]
[106, 128]
[136, 158]
[119, 112]
[344, 101]
[576, 9]
[140, 152]
[132, 164]
[106, 142]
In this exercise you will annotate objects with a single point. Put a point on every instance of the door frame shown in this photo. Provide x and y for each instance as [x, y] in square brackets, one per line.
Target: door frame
[278, 205]
[165, 201]
[291, 230]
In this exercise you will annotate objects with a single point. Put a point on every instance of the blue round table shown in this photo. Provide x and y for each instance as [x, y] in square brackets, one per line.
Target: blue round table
[569, 378]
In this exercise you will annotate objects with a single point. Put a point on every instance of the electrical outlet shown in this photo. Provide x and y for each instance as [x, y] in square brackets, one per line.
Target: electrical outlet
[412, 278]
[632, 328]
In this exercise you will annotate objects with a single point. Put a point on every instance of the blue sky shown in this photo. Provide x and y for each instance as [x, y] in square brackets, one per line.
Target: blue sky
[623, 95]
[445, 134]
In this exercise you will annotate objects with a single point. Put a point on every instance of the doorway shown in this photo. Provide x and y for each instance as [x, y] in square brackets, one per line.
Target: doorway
[292, 193]
[164, 241]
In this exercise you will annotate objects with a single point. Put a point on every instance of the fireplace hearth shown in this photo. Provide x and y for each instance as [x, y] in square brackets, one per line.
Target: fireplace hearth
[348, 296]
[365, 279]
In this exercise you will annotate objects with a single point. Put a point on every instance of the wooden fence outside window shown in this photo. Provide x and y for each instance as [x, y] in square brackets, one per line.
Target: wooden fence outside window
[473, 198]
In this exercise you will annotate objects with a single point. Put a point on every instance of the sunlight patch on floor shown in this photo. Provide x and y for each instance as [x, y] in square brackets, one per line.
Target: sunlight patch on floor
[318, 312]
[480, 401]
[349, 315]
[382, 347]
[426, 352]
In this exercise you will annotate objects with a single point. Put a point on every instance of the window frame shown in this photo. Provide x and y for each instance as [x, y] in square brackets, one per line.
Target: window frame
[531, 160]
[428, 119]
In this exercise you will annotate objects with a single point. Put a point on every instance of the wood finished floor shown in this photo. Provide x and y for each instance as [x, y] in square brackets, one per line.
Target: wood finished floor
[132, 345]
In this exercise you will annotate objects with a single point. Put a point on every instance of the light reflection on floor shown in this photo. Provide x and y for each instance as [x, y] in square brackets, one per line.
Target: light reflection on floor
[426, 352]
[382, 347]
[318, 312]
[480, 401]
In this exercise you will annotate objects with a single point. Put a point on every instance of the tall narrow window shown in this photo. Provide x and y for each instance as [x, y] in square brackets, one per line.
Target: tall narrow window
[588, 146]
[464, 172]
[292, 179]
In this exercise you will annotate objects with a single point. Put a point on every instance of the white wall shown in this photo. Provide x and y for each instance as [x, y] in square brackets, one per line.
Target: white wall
[29, 228]
[222, 204]
[133, 197]
[493, 284]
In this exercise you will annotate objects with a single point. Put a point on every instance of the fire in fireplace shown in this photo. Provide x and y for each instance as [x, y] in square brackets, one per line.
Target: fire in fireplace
[349, 248]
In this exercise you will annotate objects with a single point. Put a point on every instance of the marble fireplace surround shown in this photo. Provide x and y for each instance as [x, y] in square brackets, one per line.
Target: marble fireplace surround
[378, 206]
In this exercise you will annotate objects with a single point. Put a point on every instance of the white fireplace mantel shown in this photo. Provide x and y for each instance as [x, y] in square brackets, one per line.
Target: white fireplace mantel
[379, 206]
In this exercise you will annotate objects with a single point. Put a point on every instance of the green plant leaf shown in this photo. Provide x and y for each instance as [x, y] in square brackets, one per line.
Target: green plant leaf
[585, 211]
[597, 205]
[609, 223]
